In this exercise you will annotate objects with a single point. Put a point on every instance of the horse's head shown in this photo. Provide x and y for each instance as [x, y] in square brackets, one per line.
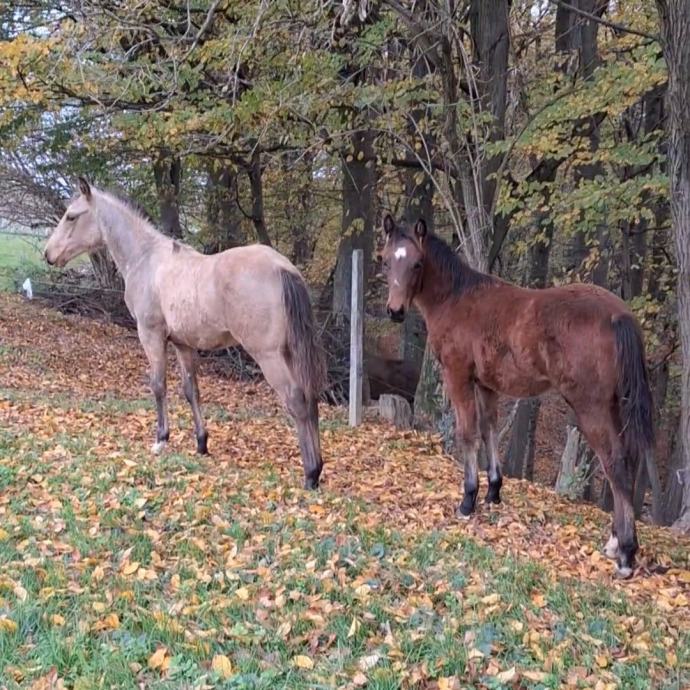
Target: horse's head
[78, 230]
[402, 256]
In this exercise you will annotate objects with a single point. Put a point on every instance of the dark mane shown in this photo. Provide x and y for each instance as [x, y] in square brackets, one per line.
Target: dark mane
[131, 204]
[454, 272]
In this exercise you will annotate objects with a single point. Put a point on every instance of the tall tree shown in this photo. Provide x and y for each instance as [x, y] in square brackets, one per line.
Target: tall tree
[675, 29]
[167, 172]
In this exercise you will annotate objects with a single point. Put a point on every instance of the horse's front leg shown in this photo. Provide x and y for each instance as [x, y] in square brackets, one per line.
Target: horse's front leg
[154, 344]
[462, 395]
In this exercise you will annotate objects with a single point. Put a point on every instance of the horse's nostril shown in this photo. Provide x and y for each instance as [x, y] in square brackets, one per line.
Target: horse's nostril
[397, 315]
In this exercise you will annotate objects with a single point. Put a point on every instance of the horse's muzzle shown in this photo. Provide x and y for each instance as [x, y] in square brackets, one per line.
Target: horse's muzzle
[397, 315]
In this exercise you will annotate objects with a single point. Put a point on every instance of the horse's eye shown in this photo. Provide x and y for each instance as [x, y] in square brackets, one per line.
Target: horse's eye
[71, 217]
[417, 265]
[386, 265]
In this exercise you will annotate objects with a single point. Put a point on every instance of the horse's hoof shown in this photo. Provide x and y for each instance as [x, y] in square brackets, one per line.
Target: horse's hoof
[610, 550]
[459, 513]
[202, 445]
[492, 500]
[623, 572]
[311, 484]
[158, 447]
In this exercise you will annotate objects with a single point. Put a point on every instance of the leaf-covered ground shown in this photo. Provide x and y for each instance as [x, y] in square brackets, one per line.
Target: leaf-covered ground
[123, 570]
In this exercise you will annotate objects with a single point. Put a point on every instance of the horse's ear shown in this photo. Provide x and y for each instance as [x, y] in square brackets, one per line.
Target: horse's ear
[420, 229]
[84, 187]
[388, 224]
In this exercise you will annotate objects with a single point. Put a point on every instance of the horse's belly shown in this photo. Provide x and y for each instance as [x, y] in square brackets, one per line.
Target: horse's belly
[197, 329]
[508, 378]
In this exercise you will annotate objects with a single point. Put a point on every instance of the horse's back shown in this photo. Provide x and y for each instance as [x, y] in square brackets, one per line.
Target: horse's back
[217, 300]
[528, 340]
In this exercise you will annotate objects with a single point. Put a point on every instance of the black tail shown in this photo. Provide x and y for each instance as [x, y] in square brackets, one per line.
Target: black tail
[303, 347]
[634, 396]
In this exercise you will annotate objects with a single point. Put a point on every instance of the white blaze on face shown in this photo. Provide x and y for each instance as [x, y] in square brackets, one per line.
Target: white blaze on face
[400, 253]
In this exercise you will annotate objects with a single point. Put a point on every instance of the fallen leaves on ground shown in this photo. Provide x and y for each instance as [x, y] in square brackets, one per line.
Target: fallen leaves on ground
[193, 568]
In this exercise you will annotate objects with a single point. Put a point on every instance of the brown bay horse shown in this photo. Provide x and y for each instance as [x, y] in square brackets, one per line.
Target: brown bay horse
[494, 338]
[249, 295]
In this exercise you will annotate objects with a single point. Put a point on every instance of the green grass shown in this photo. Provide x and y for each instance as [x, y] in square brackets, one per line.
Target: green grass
[108, 554]
[437, 604]
[20, 255]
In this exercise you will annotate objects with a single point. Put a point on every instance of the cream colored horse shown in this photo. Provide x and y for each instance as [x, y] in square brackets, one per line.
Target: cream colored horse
[249, 295]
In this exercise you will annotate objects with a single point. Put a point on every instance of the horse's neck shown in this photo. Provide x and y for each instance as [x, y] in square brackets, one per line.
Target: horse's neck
[435, 294]
[125, 236]
[429, 301]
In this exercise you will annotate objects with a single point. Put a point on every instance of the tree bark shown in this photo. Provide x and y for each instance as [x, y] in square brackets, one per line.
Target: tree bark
[576, 465]
[167, 171]
[257, 187]
[489, 26]
[358, 219]
[675, 30]
[223, 216]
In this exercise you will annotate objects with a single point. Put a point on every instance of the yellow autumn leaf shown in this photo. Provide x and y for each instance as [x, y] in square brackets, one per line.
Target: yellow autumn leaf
[4, 535]
[354, 627]
[602, 660]
[302, 661]
[359, 679]
[538, 600]
[491, 598]
[112, 621]
[363, 591]
[130, 568]
[7, 625]
[57, 620]
[507, 676]
[242, 593]
[671, 659]
[535, 676]
[222, 666]
[449, 683]
[157, 659]
[20, 593]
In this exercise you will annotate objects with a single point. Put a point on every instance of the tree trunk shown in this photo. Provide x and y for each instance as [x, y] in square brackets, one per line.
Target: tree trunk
[396, 410]
[519, 461]
[167, 171]
[223, 215]
[675, 29]
[489, 26]
[257, 186]
[576, 466]
[300, 212]
[358, 219]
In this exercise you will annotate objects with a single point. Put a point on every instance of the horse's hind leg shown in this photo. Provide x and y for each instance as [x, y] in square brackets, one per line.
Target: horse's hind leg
[303, 409]
[488, 413]
[154, 345]
[601, 432]
[186, 358]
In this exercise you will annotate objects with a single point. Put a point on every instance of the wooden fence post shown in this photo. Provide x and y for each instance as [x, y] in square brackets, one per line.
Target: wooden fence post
[356, 338]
